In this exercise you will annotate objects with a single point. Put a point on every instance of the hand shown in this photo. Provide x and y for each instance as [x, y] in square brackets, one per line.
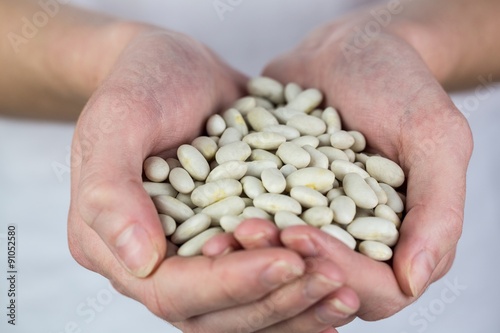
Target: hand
[387, 92]
[157, 96]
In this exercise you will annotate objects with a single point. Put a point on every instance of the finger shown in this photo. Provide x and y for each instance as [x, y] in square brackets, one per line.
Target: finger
[220, 245]
[257, 233]
[336, 310]
[322, 278]
[435, 204]
[188, 287]
[374, 282]
[113, 202]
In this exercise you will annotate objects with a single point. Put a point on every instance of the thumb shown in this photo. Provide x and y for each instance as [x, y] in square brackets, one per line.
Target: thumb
[435, 205]
[110, 198]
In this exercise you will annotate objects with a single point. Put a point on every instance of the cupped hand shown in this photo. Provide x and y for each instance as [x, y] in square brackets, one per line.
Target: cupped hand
[157, 96]
[387, 92]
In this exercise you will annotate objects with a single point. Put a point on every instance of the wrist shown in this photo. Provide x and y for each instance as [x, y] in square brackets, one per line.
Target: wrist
[79, 60]
[434, 40]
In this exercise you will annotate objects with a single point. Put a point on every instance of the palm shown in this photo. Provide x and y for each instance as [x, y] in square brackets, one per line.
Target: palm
[388, 93]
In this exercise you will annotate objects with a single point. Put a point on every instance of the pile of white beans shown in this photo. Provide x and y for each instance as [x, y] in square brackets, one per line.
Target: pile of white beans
[274, 155]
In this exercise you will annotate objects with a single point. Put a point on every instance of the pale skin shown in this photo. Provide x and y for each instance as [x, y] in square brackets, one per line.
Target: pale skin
[130, 80]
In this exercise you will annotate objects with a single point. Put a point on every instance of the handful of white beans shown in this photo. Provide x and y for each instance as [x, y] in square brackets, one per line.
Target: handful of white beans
[274, 155]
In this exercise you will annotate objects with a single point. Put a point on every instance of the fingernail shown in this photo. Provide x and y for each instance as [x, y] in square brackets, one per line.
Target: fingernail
[280, 273]
[136, 251]
[332, 310]
[420, 270]
[228, 250]
[303, 242]
[253, 237]
[319, 285]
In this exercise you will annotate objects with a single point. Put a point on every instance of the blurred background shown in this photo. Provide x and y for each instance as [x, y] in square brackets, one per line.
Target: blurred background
[56, 295]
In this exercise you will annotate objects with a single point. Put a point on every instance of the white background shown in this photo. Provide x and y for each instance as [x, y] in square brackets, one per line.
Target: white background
[54, 292]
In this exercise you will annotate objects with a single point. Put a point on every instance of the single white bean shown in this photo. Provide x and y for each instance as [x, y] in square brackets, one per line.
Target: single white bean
[350, 155]
[393, 199]
[230, 169]
[168, 224]
[181, 180]
[259, 118]
[308, 197]
[264, 140]
[230, 135]
[273, 181]
[288, 132]
[267, 88]
[288, 169]
[193, 246]
[340, 234]
[156, 169]
[307, 125]
[252, 186]
[284, 114]
[318, 159]
[248, 202]
[375, 229]
[206, 146]
[385, 212]
[193, 161]
[318, 216]
[215, 138]
[227, 206]
[172, 207]
[264, 103]
[362, 157]
[331, 117]
[359, 141]
[209, 193]
[324, 140]
[236, 151]
[290, 153]
[333, 154]
[273, 203]
[230, 222]
[361, 165]
[285, 219]
[186, 198]
[359, 191]
[316, 113]
[245, 104]
[375, 250]
[234, 118]
[306, 101]
[342, 168]
[344, 209]
[386, 171]
[292, 90]
[190, 228]
[215, 125]
[306, 140]
[254, 212]
[333, 193]
[381, 195]
[154, 189]
[255, 168]
[264, 155]
[316, 178]
[341, 140]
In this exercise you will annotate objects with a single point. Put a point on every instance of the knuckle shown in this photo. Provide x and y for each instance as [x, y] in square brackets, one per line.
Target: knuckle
[95, 196]
[162, 305]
